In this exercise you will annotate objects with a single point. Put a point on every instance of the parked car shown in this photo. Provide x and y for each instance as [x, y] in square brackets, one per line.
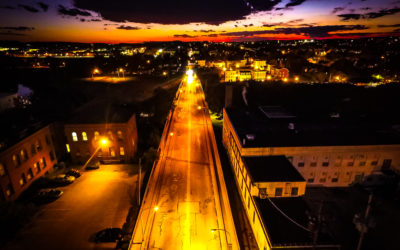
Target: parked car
[63, 179]
[47, 195]
[73, 172]
[93, 166]
[108, 235]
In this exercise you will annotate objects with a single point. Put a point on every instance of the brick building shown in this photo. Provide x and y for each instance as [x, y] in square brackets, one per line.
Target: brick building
[30, 154]
[96, 122]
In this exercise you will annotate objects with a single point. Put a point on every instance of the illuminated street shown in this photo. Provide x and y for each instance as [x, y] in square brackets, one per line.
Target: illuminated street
[96, 200]
[182, 207]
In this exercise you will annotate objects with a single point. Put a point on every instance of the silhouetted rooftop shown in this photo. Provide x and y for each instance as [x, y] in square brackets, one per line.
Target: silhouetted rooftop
[255, 129]
[275, 168]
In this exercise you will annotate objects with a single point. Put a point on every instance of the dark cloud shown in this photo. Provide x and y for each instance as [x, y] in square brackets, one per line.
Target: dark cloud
[10, 33]
[294, 3]
[365, 8]
[314, 31]
[82, 20]
[347, 17]
[72, 12]
[95, 20]
[176, 11]
[123, 27]
[7, 7]
[43, 6]
[184, 36]
[389, 25]
[337, 9]
[212, 35]
[369, 15]
[28, 8]
[18, 28]
[204, 31]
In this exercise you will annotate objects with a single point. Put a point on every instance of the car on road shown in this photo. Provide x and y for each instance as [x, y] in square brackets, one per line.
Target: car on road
[47, 195]
[93, 166]
[112, 234]
[73, 172]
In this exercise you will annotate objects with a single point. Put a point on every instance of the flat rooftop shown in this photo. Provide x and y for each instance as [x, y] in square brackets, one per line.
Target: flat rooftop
[292, 231]
[257, 127]
[101, 112]
[271, 169]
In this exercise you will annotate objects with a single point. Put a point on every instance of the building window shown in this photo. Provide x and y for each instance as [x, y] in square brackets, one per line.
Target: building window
[350, 163]
[112, 152]
[278, 192]
[67, 147]
[300, 164]
[38, 145]
[295, 191]
[16, 160]
[254, 217]
[322, 180]
[313, 164]
[43, 162]
[74, 136]
[9, 190]
[2, 169]
[30, 174]
[335, 179]
[248, 203]
[310, 180]
[96, 135]
[110, 135]
[47, 139]
[51, 155]
[22, 180]
[119, 135]
[33, 150]
[263, 192]
[362, 163]
[24, 155]
[374, 163]
[325, 164]
[121, 151]
[84, 136]
[36, 166]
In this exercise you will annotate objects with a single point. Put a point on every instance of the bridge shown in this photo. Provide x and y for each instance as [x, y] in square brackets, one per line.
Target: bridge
[185, 205]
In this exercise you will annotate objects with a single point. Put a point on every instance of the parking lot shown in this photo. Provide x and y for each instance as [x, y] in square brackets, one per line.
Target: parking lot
[98, 199]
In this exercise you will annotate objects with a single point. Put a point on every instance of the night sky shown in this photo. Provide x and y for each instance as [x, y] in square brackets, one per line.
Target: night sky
[118, 21]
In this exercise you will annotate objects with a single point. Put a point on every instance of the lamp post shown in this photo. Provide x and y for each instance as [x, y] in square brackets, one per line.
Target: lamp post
[103, 142]
[121, 70]
[156, 208]
[229, 240]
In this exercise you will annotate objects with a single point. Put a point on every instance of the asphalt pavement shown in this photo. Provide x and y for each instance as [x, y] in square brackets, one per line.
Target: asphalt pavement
[96, 200]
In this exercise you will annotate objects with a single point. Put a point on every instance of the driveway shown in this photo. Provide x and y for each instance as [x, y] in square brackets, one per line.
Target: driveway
[97, 200]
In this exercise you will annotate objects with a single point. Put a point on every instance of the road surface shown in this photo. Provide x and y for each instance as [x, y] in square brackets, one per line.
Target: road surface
[182, 206]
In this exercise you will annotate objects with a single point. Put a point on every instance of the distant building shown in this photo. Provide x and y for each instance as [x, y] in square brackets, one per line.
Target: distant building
[244, 75]
[230, 76]
[7, 100]
[259, 75]
[93, 123]
[332, 153]
[30, 157]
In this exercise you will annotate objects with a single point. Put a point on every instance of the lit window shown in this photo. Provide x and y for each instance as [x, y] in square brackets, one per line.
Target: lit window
[96, 135]
[36, 166]
[16, 160]
[68, 149]
[22, 181]
[9, 190]
[119, 134]
[2, 170]
[24, 155]
[84, 136]
[112, 152]
[110, 135]
[30, 174]
[74, 136]
[121, 151]
[278, 192]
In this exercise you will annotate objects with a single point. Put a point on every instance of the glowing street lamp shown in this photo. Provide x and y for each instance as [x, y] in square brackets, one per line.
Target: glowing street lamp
[95, 71]
[155, 209]
[268, 77]
[121, 70]
[103, 142]
[296, 78]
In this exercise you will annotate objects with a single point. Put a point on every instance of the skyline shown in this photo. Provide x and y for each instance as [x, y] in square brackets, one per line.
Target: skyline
[240, 20]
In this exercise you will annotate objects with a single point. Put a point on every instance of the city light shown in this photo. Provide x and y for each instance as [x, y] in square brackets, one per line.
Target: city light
[104, 141]
[156, 208]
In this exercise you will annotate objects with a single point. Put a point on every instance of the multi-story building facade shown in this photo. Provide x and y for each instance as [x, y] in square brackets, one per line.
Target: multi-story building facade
[25, 161]
[324, 153]
[84, 139]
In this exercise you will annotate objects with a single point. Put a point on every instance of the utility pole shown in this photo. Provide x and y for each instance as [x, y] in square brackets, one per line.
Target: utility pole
[362, 223]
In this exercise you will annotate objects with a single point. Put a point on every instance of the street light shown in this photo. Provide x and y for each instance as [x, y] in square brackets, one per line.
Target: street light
[121, 70]
[95, 71]
[227, 232]
[156, 208]
[103, 142]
